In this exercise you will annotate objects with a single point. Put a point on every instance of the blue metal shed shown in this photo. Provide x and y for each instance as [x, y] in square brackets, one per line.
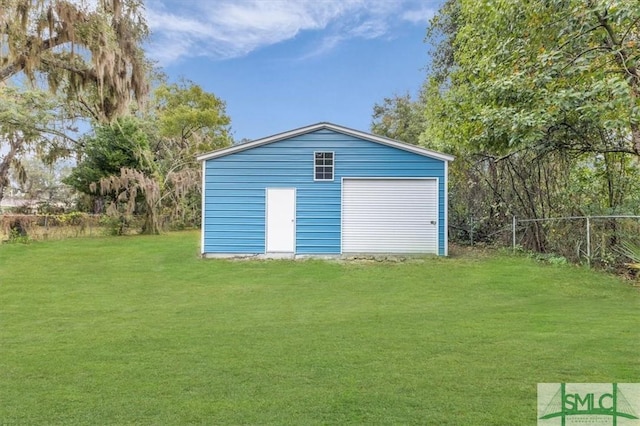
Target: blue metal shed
[323, 189]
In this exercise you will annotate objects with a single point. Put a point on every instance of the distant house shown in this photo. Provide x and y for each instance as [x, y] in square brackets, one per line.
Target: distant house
[324, 189]
[8, 204]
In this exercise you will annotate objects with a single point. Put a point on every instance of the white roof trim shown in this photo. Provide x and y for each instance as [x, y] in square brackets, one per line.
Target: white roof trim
[326, 126]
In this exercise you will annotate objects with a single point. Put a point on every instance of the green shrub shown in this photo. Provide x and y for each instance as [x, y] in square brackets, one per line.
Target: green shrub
[114, 225]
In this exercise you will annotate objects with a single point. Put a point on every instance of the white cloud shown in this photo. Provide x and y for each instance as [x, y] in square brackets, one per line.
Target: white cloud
[225, 29]
[421, 14]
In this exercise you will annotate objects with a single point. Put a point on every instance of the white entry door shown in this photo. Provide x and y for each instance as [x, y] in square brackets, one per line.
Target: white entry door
[281, 220]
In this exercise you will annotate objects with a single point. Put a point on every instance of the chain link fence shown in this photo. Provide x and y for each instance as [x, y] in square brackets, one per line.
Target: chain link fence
[600, 241]
[592, 240]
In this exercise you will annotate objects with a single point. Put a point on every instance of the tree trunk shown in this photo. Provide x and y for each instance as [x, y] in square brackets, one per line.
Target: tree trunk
[5, 165]
[635, 128]
[635, 138]
[151, 224]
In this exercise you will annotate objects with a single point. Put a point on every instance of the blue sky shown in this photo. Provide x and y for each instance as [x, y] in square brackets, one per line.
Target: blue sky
[283, 64]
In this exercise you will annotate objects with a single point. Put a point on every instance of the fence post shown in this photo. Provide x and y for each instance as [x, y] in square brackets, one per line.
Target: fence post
[471, 229]
[513, 233]
[588, 241]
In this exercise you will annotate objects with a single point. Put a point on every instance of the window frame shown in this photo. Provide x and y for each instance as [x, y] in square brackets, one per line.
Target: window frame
[324, 166]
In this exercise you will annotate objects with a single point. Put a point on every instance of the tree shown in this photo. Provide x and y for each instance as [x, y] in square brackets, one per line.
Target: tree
[441, 32]
[24, 118]
[88, 51]
[558, 74]
[43, 183]
[399, 117]
[111, 147]
[146, 165]
[531, 97]
[193, 120]
[87, 54]
[190, 121]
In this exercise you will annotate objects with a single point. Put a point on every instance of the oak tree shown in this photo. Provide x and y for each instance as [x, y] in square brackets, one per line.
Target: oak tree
[86, 54]
[90, 51]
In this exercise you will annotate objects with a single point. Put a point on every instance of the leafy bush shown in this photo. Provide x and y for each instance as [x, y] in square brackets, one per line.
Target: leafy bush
[17, 227]
[114, 225]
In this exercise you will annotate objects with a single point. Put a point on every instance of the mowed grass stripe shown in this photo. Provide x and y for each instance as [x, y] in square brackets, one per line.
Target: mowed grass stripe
[139, 330]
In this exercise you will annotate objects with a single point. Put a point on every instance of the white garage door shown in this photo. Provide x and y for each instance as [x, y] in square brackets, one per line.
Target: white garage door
[389, 216]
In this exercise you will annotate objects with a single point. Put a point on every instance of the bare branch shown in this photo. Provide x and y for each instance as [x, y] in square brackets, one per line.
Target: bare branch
[626, 33]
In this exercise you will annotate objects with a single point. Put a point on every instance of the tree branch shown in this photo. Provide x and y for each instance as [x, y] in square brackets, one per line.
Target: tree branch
[578, 36]
[621, 54]
[20, 63]
[626, 33]
[86, 72]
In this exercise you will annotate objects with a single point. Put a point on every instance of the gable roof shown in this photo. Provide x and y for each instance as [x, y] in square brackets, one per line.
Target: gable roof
[325, 126]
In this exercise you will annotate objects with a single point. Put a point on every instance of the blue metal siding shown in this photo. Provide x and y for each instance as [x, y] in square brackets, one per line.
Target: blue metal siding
[234, 216]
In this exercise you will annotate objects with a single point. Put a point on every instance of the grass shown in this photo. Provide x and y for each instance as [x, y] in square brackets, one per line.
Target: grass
[139, 330]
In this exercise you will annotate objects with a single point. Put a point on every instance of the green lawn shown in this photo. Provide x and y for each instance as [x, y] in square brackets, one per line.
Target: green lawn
[139, 330]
